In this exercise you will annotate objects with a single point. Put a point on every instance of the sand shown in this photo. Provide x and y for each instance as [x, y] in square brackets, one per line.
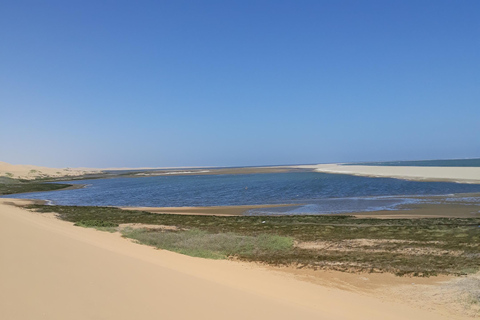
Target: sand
[50, 269]
[456, 174]
[207, 211]
[30, 172]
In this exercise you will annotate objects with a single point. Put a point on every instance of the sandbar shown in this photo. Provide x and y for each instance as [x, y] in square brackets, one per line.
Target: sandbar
[451, 174]
[207, 211]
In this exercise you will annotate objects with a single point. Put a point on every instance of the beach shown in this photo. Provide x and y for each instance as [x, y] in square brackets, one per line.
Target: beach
[451, 174]
[53, 270]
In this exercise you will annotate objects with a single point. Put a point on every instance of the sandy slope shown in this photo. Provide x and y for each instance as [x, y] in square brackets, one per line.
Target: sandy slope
[21, 171]
[458, 174]
[52, 270]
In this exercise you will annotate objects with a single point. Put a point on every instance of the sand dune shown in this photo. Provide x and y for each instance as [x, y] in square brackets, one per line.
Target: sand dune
[457, 174]
[29, 172]
[50, 269]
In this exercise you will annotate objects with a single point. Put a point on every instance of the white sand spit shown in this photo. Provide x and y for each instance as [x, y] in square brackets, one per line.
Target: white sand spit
[457, 174]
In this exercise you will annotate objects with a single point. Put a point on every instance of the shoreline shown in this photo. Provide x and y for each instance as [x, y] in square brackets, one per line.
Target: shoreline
[204, 211]
[415, 173]
[426, 174]
[406, 211]
[439, 207]
[60, 246]
[69, 187]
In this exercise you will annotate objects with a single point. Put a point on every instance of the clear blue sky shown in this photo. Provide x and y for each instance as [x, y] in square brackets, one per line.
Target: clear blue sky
[197, 83]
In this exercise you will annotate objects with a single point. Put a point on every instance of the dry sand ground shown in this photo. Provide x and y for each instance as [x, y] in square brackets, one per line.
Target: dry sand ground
[50, 269]
[457, 174]
[29, 172]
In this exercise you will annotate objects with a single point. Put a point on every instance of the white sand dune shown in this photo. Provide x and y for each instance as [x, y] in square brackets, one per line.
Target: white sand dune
[50, 269]
[457, 174]
[29, 172]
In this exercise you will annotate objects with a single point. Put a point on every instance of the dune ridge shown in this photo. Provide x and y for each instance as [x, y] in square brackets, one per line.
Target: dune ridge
[30, 172]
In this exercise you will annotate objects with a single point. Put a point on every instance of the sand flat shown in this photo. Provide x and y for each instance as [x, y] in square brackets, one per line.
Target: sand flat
[455, 174]
[207, 211]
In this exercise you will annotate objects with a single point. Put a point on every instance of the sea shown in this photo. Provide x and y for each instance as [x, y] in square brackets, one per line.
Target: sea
[308, 192]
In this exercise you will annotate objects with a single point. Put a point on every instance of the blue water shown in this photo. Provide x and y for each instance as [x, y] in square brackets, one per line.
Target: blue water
[425, 163]
[313, 192]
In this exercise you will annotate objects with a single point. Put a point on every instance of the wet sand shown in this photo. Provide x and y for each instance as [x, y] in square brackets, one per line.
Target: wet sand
[207, 211]
[440, 207]
[419, 211]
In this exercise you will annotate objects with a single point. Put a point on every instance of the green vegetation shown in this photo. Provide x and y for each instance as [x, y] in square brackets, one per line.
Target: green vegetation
[12, 186]
[98, 224]
[419, 247]
[203, 244]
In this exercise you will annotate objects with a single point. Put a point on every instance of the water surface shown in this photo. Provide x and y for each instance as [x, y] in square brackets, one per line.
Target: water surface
[314, 192]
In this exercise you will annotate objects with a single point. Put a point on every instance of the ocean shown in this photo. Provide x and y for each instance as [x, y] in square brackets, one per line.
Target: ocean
[312, 192]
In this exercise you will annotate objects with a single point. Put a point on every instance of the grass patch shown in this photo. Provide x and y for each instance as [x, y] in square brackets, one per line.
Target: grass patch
[98, 224]
[12, 186]
[418, 247]
[203, 244]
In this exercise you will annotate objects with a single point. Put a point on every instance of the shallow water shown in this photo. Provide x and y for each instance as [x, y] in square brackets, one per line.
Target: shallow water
[315, 193]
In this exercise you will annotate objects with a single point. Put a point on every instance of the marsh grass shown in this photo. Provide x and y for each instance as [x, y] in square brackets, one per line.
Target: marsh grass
[98, 224]
[12, 186]
[418, 247]
[203, 244]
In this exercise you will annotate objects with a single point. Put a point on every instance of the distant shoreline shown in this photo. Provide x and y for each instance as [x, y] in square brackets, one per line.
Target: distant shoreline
[418, 210]
[427, 174]
[461, 174]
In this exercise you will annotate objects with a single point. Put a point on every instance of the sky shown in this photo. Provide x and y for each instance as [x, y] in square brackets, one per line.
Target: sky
[238, 83]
